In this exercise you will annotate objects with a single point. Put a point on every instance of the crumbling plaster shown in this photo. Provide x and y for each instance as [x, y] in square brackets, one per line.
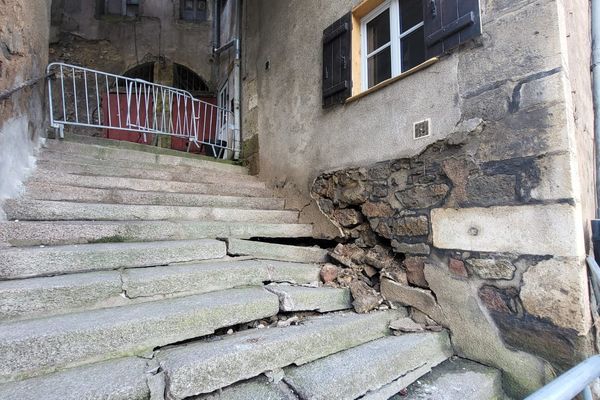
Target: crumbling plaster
[24, 32]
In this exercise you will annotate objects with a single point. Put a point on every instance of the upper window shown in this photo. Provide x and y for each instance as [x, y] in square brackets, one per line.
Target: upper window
[193, 10]
[142, 71]
[128, 8]
[392, 40]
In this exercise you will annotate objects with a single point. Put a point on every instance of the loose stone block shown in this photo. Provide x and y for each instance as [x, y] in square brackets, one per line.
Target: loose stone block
[491, 268]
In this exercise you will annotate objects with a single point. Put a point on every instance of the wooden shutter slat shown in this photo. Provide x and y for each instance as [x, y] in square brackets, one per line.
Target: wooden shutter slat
[337, 74]
[451, 29]
[336, 32]
[336, 88]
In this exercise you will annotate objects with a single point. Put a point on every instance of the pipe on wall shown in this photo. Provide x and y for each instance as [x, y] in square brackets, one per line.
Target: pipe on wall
[596, 91]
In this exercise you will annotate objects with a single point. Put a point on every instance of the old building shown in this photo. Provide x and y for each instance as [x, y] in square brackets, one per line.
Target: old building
[440, 152]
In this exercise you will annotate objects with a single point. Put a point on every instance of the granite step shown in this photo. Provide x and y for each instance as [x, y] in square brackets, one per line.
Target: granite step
[46, 296]
[18, 263]
[149, 185]
[136, 154]
[211, 365]
[373, 371]
[320, 299]
[41, 346]
[44, 210]
[54, 233]
[50, 191]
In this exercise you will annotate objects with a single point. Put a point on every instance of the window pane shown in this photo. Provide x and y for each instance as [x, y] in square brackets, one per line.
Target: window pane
[378, 31]
[202, 5]
[189, 4]
[411, 14]
[413, 49]
[380, 67]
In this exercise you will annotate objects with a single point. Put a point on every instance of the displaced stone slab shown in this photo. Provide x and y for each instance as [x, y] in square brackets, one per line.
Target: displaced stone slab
[277, 251]
[40, 346]
[30, 262]
[28, 298]
[255, 389]
[457, 379]
[322, 299]
[205, 367]
[84, 232]
[352, 373]
[493, 229]
[41, 210]
[122, 379]
[213, 276]
[418, 298]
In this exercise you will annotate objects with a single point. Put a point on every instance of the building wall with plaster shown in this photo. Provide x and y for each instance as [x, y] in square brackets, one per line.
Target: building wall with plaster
[491, 211]
[24, 32]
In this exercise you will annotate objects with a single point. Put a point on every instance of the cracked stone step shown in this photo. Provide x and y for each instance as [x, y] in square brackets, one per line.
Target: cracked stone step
[42, 210]
[123, 379]
[321, 299]
[40, 346]
[36, 297]
[29, 262]
[457, 379]
[259, 388]
[141, 154]
[83, 232]
[277, 251]
[204, 367]
[49, 191]
[147, 171]
[148, 185]
[369, 369]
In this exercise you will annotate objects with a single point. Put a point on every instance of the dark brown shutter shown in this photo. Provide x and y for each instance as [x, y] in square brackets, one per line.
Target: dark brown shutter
[450, 23]
[337, 62]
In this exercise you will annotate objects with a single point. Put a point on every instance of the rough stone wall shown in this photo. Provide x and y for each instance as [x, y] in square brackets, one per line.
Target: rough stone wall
[488, 222]
[115, 44]
[24, 31]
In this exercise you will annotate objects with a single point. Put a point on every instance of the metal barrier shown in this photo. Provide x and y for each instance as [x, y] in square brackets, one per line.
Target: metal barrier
[83, 97]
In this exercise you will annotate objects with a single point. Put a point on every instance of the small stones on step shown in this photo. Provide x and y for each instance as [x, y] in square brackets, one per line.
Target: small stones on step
[329, 273]
[405, 325]
[288, 322]
[365, 298]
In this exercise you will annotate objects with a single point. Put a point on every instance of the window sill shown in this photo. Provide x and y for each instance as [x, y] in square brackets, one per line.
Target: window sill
[388, 82]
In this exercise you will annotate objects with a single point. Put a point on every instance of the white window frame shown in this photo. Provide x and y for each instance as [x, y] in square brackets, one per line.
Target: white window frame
[395, 39]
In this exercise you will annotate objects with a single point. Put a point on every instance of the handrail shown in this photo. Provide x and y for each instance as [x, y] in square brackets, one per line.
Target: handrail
[573, 382]
[83, 97]
[576, 380]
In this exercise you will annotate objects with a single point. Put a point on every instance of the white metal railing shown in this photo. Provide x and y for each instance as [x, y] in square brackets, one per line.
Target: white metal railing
[83, 97]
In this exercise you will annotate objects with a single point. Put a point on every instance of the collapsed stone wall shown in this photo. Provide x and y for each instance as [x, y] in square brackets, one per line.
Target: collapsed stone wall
[401, 243]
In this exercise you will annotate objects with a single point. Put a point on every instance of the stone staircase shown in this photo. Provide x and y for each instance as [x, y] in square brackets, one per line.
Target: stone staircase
[126, 273]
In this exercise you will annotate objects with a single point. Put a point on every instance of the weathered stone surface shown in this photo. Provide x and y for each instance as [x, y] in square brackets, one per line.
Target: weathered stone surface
[491, 190]
[414, 271]
[298, 298]
[348, 217]
[556, 289]
[259, 388]
[458, 171]
[410, 226]
[420, 299]
[377, 210]
[274, 251]
[380, 257]
[152, 283]
[490, 268]
[457, 379]
[348, 255]
[29, 298]
[405, 325]
[493, 229]
[411, 248]
[366, 368]
[122, 379]
[353, 193]
[364, 297]
[426, 196]
[457, 267]
[207, 366]
[39, 346]
[478, 339]
[29, 262]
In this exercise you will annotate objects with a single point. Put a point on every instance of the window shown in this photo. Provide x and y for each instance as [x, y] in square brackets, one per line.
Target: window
[142, 71]
[193, 10]
[127, 8]
[393, 40]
